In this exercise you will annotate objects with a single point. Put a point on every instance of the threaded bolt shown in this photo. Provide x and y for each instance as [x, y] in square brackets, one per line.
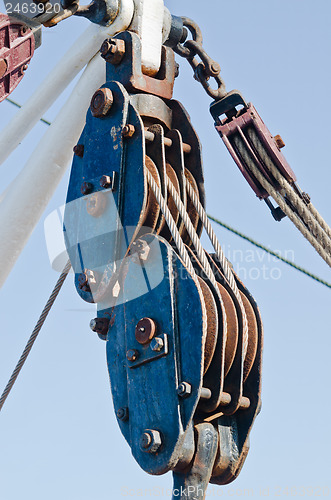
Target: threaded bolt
[101, 103]
[128, 131]
[79, 150]
[150, 441]
[86, 188]
[184, 390]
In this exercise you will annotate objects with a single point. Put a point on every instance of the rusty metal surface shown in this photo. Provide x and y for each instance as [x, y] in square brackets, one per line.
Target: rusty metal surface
[101, 102]
[193, 484]
[17, 45]
[212, 325]
[129, 70]
[152, 109]
[152, 210]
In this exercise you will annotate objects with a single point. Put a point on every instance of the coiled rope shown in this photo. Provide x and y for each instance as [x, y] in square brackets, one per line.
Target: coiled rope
[35, 333]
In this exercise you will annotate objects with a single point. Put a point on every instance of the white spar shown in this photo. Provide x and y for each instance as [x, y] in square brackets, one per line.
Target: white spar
[28, 195]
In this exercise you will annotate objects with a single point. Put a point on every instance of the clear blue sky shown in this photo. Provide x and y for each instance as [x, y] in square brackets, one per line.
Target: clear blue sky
[59, 437]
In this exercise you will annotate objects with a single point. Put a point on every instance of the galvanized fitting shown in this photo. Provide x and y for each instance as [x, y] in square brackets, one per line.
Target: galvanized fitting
[184, 390]
[150, 441]
[113, 50]
[157, 344]
[145, 330]
[101, 103]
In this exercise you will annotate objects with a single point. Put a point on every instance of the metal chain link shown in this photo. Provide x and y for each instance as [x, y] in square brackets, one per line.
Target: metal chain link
[204, 69]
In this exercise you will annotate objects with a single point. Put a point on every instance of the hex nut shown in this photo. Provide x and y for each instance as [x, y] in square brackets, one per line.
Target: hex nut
[3, 67]
[132, 355]
[100, 325]
[184, 390]
[279, 142]
[79, 150]
[150, 441]
[123, 414]
[101, 103]
[157, 344]
[128, 131]
[145, 330]
[106, 181]
[113, 50]
[86, 188]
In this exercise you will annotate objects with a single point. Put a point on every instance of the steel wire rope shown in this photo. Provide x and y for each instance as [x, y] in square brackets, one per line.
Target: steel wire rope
[35, 333]
[314, 221]
[219, 253]
[280, 200]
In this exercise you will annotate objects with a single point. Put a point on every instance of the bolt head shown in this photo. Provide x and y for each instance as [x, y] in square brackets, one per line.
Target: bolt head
[86, 188]
[101, 103]
[79, 150]
[100, 325]
[184, 390]
[157, 344]
[279, 142]
[145, 330]
[83, 281]
[150, 441]
[23, 30]
[96, 204]
[128, 131]
[3, 67]
[215, 69]
[106, 181]
[123, 414]
[113, 50]
[132, 355]
[306, 198]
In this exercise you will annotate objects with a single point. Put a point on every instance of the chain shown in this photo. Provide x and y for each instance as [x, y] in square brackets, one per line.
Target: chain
[206, 68]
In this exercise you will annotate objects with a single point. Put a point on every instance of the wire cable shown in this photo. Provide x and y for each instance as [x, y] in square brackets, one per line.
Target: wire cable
[35, 333]
[269, 251]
